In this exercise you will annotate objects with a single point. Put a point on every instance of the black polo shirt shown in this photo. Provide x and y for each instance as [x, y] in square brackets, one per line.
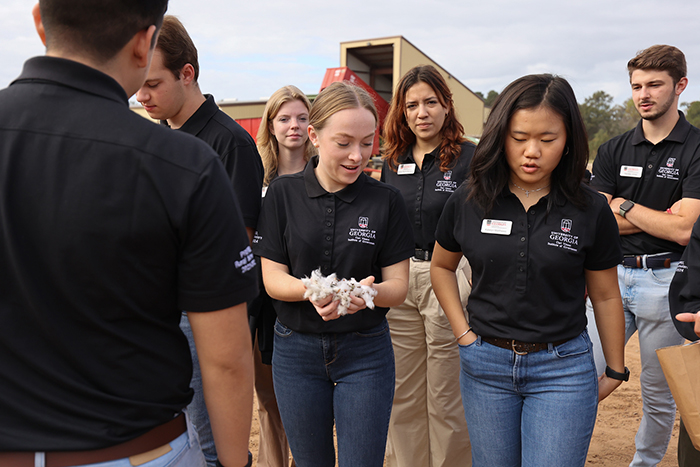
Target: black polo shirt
[111, 225]
[684, 293]
[237, 151]
[528, 267]
[655, 176]
[426, 190]
[354, 233]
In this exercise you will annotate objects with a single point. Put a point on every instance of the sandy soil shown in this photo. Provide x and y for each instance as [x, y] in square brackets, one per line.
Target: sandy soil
[618, 419]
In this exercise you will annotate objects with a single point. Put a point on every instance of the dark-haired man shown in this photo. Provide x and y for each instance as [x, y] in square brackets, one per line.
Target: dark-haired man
[110, 227]
[651, 178]
[172, 95]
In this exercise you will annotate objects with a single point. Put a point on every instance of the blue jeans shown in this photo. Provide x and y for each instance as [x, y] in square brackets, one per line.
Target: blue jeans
[347, 378]
[645, 301]
[185, 452]
[197, 408]
[529, 410]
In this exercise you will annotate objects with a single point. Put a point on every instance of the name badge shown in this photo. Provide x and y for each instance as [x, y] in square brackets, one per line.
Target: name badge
[406, 169]
[264, 191]
[496, 227]
[631, 171]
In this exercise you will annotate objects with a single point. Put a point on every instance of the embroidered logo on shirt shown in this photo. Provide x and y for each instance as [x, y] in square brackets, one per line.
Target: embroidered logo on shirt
[668, 172]
[446, 185]
[363, 234]
[564, 239]
[566, 225]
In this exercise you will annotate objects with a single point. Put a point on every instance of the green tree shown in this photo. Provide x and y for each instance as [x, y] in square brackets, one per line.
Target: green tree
[489, 99]
[604, 120]
[692, 112]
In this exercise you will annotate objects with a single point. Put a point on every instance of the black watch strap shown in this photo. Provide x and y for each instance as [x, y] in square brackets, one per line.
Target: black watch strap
[249, 464]
[610, 373]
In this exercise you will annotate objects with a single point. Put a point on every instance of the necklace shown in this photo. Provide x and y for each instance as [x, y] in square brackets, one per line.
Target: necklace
[527, 192]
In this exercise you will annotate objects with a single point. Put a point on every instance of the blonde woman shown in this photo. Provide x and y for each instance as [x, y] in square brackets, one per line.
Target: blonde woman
[285, 148]
[330, 369]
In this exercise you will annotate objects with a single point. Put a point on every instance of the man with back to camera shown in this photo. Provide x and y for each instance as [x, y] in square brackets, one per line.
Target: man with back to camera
[684, 304]
[110, 226]
[171, 94]
[651, 178]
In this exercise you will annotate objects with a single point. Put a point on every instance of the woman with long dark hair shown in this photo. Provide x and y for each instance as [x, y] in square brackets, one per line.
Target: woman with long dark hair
[535, 237]
[426, 157]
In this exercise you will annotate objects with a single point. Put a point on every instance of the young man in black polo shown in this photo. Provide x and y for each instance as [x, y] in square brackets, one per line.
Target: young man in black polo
[651, 178]
[172, 95]
[110, 227]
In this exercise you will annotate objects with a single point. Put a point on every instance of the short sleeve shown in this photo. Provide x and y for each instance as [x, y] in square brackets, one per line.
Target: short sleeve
[269, 239]
[445, 231]
[684, 293]
[691, 180]
[604, 172]
[216, 264]
[400, 234]
[606, 251]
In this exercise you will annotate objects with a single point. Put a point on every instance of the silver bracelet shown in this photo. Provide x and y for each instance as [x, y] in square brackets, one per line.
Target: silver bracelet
[463, 334]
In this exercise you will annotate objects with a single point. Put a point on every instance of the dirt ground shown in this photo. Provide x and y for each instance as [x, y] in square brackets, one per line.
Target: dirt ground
[618, 419]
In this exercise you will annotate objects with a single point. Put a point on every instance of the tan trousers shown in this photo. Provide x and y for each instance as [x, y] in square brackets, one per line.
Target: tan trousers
[273, 450]
[427, 427]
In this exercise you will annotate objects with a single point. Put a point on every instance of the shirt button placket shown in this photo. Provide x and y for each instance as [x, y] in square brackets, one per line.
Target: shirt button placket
[329, 221]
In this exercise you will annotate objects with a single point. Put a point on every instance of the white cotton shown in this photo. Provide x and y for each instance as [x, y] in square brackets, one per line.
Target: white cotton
[319, 287]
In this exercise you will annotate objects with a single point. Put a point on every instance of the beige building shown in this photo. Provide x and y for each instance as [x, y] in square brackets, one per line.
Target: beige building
[380, 63]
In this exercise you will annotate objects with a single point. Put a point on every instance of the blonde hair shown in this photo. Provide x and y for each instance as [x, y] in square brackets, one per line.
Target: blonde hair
[268, 147]
[336, 97]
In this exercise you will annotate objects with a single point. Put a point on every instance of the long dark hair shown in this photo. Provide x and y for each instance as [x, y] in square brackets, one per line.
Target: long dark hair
[398, 135]
[490, 173]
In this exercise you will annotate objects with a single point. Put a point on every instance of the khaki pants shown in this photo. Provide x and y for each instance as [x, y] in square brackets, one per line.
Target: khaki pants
[427, 427]
[273, 450]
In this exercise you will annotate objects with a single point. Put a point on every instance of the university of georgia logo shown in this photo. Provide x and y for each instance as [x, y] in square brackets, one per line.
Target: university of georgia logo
[447, 175]
[670, 161]
[363, 222]
[566, 225]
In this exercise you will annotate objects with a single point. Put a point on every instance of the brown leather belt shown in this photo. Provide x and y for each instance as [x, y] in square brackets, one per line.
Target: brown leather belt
[520, 348]
[157, 437]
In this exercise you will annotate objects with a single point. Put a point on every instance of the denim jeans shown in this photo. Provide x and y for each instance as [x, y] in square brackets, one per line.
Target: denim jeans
[645, 301]
[529, 410]
[347, 378]
[197, 409]
[184, 452]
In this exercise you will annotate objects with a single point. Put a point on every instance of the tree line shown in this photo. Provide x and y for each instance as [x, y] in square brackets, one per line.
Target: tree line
[605, 120]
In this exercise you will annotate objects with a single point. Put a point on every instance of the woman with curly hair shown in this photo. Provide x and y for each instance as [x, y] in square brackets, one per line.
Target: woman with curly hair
[426, 157]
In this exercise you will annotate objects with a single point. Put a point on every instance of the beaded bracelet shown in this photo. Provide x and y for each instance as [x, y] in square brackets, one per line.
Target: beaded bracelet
[463, 334]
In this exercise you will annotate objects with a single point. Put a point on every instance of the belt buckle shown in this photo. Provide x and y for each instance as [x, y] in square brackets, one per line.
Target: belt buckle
[513, 346]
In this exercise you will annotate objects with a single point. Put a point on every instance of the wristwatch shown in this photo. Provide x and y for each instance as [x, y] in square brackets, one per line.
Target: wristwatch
[610, 373]
[625, 207]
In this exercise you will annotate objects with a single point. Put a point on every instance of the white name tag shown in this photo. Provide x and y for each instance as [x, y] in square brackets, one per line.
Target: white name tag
[631, 171]
[264, 191]
[496, 227]
[406, 169]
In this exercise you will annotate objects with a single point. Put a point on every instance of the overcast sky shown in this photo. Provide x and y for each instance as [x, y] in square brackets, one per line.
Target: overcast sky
[250, 48]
